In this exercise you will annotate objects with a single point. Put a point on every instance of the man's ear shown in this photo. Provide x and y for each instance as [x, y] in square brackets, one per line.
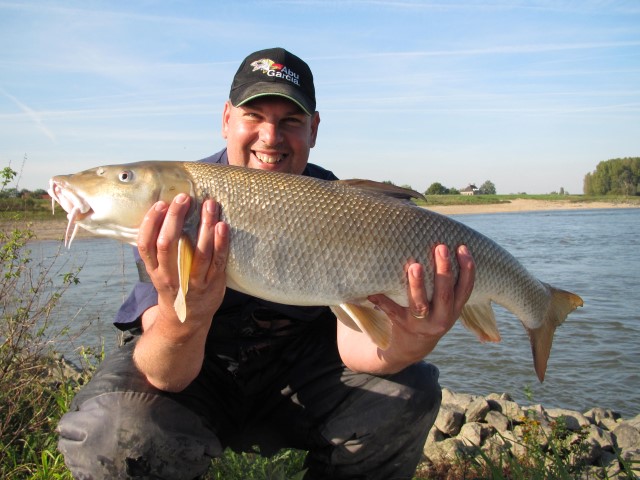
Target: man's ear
[226, 112]
[315, 122]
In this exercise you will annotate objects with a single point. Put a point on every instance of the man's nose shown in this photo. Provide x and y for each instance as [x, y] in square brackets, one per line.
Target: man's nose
[270, 133]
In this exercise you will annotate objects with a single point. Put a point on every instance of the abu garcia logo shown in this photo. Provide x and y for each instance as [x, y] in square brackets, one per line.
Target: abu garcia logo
[273, 69]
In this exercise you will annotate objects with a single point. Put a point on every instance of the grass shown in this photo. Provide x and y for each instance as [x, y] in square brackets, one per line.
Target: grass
[497, 199]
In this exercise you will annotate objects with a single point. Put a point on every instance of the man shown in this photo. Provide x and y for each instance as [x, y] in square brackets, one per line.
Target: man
[241, 371]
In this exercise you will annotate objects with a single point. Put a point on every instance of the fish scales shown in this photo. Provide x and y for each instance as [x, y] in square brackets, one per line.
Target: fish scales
[282, 230]
[303, 241]
[313, 242]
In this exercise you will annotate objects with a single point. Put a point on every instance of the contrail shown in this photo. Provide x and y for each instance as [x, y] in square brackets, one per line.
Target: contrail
[33, 115]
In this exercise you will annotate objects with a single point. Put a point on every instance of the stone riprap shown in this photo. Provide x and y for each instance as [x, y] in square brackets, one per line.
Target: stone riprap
[496, 423]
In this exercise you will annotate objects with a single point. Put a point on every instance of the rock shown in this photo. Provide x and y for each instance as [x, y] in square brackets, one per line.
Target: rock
[508, 408]
[603, 437]
[608, 424]
[513, 443]
[447, 450]
[632, 458]
[573, 420]
[460, 400]
[497, 426]
[499, 396]
[598, 440]
[449, 420]
[494, 447]
[477, 410]
[60, 370]
[595, 415]
[435, 435]
[498, 421]
[626, 436]
[473, 434]
[538, 414]
[608, 461]
[634, 422]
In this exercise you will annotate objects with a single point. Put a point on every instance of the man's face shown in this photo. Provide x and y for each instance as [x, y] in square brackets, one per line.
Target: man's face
[269, 133]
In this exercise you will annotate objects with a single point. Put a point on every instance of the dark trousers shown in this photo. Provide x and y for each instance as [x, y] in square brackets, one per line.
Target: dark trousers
[299, 395]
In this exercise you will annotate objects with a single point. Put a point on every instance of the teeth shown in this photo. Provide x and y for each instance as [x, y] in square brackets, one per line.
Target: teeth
[268, 158]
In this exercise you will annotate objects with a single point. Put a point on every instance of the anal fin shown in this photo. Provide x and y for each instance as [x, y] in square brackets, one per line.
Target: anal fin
[374, 323]
[480, 319]
[185, 258]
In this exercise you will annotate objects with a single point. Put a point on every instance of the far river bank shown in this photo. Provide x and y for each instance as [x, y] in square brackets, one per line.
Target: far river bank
[55, 228]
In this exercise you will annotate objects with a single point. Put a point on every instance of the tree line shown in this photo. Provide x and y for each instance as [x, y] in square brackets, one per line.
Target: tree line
[436, 188]
[618, 176]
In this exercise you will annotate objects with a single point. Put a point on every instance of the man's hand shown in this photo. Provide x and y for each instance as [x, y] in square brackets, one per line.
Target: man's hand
[417, 328]
[170, 353]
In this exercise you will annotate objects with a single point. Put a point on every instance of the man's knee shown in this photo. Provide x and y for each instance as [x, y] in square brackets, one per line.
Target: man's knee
[418, 386]
[379, 433]
[133, 434]
[119, 426]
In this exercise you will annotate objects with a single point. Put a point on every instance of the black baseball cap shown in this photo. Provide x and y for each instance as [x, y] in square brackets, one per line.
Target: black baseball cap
[274, 71]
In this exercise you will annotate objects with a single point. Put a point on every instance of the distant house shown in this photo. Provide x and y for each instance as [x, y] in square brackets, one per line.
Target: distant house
[470, 189]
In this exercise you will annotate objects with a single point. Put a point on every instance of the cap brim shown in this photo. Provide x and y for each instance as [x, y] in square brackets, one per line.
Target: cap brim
[267, 89]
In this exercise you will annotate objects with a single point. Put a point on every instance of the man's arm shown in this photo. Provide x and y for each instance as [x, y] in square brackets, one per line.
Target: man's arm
[417, 328]
[170, 353]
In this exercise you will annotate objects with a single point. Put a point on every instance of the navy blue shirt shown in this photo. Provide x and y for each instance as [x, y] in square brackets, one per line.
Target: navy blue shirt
[144, 294]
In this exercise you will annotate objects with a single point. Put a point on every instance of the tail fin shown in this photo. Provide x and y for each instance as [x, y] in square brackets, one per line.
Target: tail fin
[562, 304]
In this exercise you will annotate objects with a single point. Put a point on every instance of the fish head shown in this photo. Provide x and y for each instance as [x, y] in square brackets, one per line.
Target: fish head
[112, 200]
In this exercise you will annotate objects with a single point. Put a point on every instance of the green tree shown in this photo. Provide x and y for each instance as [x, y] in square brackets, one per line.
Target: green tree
[487, 188]
[617, 176]
[437, 188]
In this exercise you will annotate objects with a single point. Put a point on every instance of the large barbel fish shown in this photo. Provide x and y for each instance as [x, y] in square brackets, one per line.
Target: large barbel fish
[303, 241]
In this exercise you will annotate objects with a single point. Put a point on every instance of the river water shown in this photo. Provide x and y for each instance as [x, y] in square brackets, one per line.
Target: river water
[595, 359]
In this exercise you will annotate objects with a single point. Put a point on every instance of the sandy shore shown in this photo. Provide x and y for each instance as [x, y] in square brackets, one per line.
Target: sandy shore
[526, 205]
[54, 229]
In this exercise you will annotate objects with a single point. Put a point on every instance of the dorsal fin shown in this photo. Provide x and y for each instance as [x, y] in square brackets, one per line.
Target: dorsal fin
[380, 188]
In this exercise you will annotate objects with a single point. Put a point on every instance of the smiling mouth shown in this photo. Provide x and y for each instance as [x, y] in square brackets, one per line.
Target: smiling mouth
[270, 159]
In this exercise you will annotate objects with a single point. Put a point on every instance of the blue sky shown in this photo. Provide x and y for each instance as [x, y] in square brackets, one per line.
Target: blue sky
[530, 95]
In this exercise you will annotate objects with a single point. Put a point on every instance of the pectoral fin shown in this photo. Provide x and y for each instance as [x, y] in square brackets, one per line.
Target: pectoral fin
[480, 319]
[366, 319]
[185, 257]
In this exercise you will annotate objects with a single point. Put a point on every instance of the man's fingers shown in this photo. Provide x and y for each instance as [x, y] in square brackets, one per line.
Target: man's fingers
[220, 250]
[418, 303]
[205, 242]
[442, 304]
[148, 234]
[466, 278]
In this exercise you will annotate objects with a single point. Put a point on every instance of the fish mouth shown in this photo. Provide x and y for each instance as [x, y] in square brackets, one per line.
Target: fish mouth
[77, 208]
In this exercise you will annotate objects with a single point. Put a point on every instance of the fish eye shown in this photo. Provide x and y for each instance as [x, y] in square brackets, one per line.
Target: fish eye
[125, 176]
